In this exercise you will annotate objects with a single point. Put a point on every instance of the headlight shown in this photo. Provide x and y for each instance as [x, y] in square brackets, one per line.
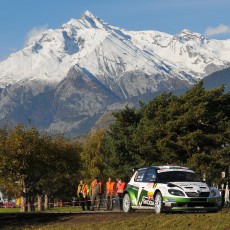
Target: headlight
[175, 192]
[213, 193]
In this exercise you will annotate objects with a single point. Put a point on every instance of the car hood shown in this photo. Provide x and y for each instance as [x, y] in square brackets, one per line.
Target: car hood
[190, 186]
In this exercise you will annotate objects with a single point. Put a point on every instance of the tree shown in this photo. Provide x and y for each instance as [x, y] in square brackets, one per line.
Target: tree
[19, 157]
[61, 167]
[92, 157]
[119, 146]
[191, 129]
[38, 163]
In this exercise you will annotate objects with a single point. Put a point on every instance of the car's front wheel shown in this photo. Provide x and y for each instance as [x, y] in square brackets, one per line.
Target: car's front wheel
[158, 203]
[127, 203]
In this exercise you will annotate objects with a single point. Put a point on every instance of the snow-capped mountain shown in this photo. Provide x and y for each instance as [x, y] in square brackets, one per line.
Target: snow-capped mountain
[65, 78]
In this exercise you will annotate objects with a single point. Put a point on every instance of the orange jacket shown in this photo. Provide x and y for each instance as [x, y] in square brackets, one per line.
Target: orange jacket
[93, 191]
[84, 189]
[121, 187]
[110, 187]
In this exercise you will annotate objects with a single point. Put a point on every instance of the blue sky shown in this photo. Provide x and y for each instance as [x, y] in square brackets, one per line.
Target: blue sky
[20, 18]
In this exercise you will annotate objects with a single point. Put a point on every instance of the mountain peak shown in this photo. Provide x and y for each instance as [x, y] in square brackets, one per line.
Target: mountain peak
[91, 21]
[86, 21]
[187, 35]
[67, 77]
[87, 14]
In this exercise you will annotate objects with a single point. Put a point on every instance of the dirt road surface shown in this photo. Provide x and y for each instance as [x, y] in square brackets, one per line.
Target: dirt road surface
[25, 220]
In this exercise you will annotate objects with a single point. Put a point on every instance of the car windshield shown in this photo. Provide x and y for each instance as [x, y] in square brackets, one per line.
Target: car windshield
[174, 176]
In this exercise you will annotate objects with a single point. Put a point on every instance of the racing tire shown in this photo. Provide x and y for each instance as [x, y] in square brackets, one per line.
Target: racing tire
[127, 203]
[158, 202]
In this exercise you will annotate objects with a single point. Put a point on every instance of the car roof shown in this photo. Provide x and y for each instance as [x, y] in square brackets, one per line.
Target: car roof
[165, 167]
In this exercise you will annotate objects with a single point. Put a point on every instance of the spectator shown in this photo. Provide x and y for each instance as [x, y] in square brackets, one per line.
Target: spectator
[110, 191]
[120, 190]
[83, 194]
[95, 192]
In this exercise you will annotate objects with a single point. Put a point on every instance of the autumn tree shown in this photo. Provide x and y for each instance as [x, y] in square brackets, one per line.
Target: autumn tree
[92, 157]
[38, 164]
[19, 160]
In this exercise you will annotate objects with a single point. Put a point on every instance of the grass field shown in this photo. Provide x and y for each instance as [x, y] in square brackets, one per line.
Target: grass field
[53, 210]
[65, 219]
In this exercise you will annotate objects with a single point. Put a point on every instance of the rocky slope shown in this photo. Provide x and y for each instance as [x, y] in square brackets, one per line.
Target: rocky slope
[64, 79]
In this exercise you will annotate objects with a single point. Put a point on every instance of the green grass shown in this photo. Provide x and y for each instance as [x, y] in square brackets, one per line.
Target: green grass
[9, 210]
[51, 210]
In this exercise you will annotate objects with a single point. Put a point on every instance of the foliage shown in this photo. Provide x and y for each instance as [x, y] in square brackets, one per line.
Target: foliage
[119, 146]
[92, 157]
[191, 129]
[61, 166]
[35, 164]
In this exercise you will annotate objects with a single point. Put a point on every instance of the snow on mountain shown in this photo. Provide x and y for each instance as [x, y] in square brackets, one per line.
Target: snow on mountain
[87, 65]
[186, 51]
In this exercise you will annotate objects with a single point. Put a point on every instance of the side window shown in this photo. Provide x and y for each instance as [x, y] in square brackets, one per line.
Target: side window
[139, 177]
[151, 175]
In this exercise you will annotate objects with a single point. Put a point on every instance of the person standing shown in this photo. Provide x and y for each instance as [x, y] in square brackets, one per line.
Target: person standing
[110, 191]
[83, 194]
[120, 190]
[95, 192]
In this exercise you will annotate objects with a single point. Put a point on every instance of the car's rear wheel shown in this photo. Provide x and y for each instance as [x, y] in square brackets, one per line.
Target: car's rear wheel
[127, 203]
[158, 203]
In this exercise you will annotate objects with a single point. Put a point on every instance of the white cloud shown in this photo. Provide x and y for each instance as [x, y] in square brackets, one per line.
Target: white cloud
[31, 35]
[221, 29]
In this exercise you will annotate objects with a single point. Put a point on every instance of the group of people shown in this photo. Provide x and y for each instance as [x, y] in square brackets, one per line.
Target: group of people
[90, 196]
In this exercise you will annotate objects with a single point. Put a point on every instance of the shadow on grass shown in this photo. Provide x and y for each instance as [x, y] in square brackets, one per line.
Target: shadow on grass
[27, 220]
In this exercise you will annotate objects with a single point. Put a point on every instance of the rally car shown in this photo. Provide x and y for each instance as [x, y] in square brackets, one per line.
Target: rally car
[169, 188]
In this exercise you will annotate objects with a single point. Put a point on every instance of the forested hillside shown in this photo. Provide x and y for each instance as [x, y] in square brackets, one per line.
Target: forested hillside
[190, 130]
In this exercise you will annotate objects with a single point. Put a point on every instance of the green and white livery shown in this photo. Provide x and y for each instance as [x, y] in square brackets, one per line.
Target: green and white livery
[169, 188]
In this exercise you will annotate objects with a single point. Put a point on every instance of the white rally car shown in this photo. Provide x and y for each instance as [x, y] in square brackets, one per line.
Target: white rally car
[169, 188]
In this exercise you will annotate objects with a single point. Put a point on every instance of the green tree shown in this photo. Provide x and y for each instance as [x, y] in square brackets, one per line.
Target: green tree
[191, 129]
[119, 146]
[61, 167]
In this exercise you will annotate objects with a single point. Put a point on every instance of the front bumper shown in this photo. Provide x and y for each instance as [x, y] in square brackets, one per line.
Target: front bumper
[191, 204]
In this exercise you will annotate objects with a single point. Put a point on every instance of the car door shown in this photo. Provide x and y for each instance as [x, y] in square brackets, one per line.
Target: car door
[147, 188]
[138, 184]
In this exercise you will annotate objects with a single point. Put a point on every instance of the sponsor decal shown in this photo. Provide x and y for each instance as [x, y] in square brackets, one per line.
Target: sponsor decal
[145, 201]
[150, 195]
[194, 184]
[148, 202]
